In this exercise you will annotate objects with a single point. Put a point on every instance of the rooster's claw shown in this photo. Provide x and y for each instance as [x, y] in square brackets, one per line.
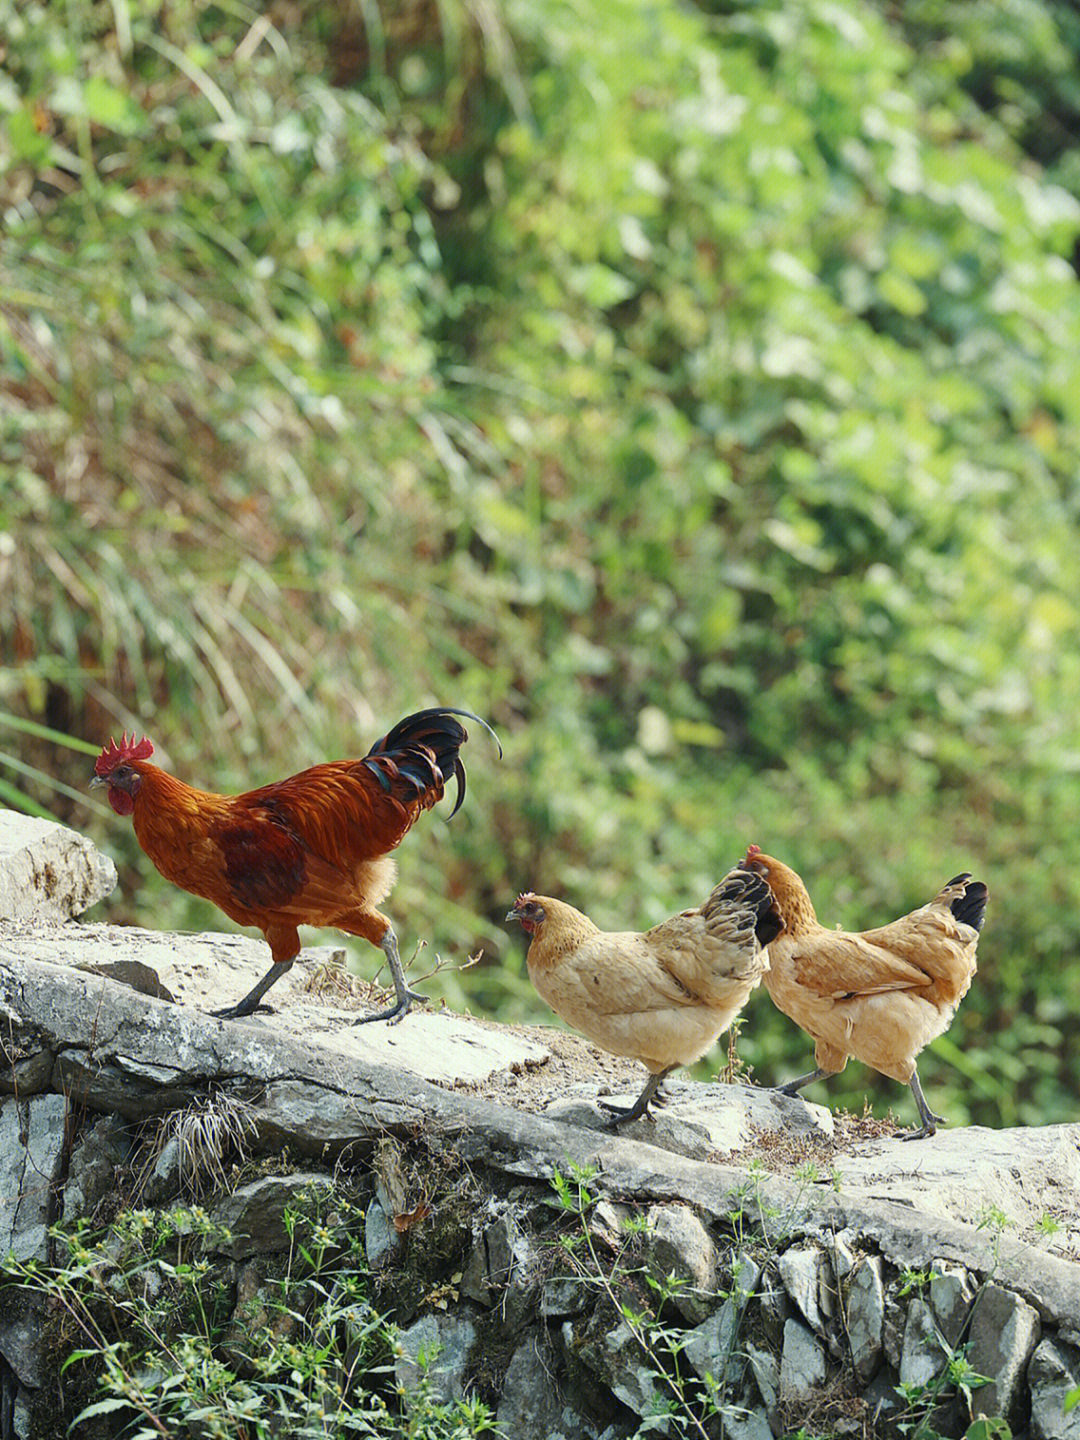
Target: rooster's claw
[396, 1012]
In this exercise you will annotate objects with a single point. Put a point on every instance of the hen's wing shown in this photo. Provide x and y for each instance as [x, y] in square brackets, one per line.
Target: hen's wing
[837, 965]
[618, 973]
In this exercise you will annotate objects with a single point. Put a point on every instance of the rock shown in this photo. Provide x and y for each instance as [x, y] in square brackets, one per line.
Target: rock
[48, 873]
[922, 1356]
[843, 1257]
[95, 1157]
[381, 1240]
[704, 1121]
[866, 1316]
[164, 1181]
[951, 1295]
[607, 1222]
[436, 1348]
[21, 1341]
[564, 1296]
[491, 1261]
[254, 1213]
[679, 1247]
[748, 1425]
[1022, 1171]
[1053, 1373]
[628, 1372]
[531, 1406]
[135, 974]
[709, 1346]
[1004, 1332]
[766, 1372]
[207, 972]
[775, 1306]
[802, 1361]
[800, 1270]
[32, 1134]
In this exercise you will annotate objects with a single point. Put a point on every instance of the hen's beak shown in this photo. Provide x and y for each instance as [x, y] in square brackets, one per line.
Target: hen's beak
[511, 914]
[95, 781]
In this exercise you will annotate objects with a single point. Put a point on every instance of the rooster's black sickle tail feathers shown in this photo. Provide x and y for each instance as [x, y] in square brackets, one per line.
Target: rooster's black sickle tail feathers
[423, 749]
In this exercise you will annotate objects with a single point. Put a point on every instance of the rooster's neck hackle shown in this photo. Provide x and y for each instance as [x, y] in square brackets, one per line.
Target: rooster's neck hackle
[164, 804]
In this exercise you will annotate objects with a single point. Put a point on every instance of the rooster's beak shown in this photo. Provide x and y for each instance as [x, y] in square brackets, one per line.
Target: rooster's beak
[95, 781]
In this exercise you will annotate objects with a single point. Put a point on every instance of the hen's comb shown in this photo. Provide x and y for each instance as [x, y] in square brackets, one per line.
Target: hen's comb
[524, 897]
[114, 754]
[752, 850]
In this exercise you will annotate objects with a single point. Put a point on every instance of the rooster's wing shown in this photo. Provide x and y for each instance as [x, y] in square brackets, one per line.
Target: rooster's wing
[294, 847]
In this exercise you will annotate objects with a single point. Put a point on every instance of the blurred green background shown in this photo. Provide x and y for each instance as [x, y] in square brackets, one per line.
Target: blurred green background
[691, 389]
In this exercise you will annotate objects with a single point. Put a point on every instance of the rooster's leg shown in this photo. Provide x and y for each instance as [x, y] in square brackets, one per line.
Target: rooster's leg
[792, 1087]
[622, 1116]
[250, 1003]
[405, 996]
[930, 1121]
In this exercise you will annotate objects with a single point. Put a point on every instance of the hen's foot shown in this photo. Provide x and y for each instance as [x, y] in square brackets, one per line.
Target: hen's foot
[930, 1121]
[792, 1087]
[622, 1115]
[928, 1128]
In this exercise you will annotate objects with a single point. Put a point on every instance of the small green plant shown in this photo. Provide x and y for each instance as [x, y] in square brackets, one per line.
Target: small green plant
[913, 1280]
[144, 1308]
[1047, 1224]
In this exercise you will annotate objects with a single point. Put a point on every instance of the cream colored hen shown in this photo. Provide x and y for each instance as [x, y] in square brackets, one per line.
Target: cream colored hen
[881, 995]
[662, 996]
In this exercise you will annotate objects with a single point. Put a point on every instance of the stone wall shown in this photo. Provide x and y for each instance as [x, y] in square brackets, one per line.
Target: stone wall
[583, 1284]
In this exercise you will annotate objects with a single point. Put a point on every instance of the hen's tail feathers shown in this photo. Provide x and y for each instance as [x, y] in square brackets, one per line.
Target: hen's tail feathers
[423, 750]
[744, 888]
[970, 907]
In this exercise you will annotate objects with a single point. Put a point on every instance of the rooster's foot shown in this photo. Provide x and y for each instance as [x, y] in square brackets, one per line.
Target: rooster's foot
[238, 1012]
[395, 1013]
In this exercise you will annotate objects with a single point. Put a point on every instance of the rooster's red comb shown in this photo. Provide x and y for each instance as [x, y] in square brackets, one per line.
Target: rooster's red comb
[114, 754]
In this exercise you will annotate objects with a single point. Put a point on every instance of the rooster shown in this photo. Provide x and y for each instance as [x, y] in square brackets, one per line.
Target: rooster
[881, 995]
[662, 997]
[310, 850]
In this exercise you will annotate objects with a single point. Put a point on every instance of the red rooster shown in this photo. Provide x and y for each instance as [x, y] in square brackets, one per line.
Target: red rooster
[310, 850]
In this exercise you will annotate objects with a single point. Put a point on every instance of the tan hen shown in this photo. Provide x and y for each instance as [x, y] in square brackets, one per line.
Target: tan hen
[662, 996]
[880, 995]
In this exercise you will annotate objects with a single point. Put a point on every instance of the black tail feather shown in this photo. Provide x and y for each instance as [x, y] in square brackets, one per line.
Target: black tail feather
[970, 908]
[423, 749]
[752, 890]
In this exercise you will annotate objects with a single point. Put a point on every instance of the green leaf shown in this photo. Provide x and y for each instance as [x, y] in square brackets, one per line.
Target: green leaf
[601, 286]
[114, 109]
[27, 142]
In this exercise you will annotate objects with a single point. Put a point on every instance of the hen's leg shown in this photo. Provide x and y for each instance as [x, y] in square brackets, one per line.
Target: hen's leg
[792, 1087]
[620, 1115]
[405, 996]
[250, 1003]
[930, 1121]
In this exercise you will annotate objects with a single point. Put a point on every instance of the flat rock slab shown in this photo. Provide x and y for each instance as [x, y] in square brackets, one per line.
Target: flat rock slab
[1025, 1173]
[317, 1000]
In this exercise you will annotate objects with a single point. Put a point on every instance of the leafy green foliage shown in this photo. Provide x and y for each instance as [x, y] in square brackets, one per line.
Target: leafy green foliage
[151, 1316]
[692, 390]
